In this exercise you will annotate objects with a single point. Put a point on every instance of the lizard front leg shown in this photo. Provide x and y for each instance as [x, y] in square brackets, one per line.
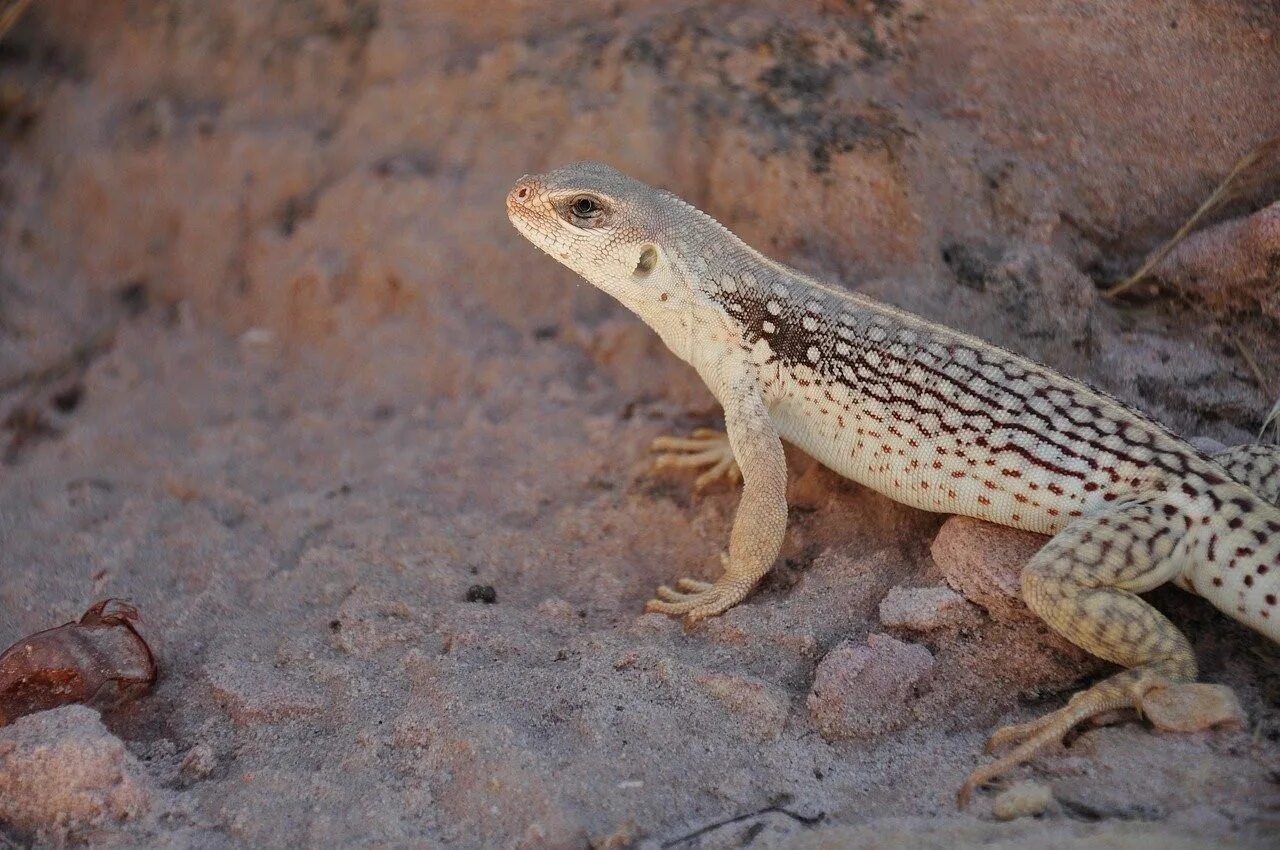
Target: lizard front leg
[761, 520]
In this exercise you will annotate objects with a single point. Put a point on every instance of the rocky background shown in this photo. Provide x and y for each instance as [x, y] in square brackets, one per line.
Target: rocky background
[275, 368]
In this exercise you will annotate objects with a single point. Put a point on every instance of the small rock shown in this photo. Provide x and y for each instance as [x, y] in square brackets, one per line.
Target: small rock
[198, 763]
[1021, 800]
[864, 691]
[984, 562]
[761, 709]
[61, 770]
[926, 609]
[482, 593]
[558, 611]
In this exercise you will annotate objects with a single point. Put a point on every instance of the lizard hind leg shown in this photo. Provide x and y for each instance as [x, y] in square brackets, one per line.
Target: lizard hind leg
[705, 449]
[1084, 583]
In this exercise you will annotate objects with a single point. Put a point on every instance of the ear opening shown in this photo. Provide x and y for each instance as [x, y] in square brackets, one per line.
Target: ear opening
[648, 259]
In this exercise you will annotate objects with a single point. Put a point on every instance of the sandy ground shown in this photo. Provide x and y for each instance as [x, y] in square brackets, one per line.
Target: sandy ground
[297, 386]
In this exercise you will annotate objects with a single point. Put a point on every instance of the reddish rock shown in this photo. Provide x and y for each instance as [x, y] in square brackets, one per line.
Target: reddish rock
[62, 771]
[983, 561]
[760, 709]
[864, 691]
[926, 609]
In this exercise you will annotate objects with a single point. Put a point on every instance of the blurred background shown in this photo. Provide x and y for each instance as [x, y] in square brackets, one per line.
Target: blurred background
[275, 367]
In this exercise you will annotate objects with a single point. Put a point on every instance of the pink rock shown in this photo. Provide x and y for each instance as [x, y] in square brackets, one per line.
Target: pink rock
[926, 609]
[62, 771]
[761, 709]
[983, 561]
[863, 691]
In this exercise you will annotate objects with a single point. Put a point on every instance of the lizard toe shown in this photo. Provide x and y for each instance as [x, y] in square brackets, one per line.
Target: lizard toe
[705, 449]
[696, 599]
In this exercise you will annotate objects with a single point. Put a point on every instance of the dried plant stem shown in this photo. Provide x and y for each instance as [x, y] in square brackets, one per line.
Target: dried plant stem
[1250, 362]
[9, 16]
[1272, 418]
[1220, 195]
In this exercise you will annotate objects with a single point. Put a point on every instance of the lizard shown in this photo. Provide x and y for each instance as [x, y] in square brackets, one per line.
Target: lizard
[939, 420]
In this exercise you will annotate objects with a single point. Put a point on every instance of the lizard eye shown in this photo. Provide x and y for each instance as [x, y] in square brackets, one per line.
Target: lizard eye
[585, 206]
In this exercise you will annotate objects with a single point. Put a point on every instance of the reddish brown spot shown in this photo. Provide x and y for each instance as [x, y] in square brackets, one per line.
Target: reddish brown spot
[1055, 489]
[983, 500]
[1090, 486]
[1217, 582]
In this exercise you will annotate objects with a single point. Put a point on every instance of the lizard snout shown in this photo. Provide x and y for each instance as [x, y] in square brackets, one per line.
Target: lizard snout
[521, 194]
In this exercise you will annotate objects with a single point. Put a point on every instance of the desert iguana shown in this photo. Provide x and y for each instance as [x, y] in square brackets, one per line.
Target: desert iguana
[938, 420]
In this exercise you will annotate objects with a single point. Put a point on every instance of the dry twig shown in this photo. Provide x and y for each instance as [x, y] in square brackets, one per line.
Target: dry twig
[1229, 189]
[9, 15]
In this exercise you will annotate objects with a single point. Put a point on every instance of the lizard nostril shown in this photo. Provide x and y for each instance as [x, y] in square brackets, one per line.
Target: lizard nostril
[522, 193]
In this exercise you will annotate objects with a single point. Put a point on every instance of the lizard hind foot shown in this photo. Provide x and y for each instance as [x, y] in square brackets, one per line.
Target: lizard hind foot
[695, 599]
[1185, 706]
[1169, 706]
[1192, 707]
[706, 449]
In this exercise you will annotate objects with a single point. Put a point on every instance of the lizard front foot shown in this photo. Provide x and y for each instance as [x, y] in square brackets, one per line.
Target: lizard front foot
[705, 448]
[1170, 706]
[696, 599]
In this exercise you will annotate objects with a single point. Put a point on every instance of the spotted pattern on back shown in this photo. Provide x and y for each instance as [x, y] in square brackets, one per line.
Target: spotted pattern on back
[1256, 467]
[941, 420]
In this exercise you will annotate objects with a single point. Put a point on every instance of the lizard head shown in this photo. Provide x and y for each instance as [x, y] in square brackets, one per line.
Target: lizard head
[605, 226]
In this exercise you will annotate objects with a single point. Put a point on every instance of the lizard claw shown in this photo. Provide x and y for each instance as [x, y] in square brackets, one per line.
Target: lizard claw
[705, 448]
[697, 599]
